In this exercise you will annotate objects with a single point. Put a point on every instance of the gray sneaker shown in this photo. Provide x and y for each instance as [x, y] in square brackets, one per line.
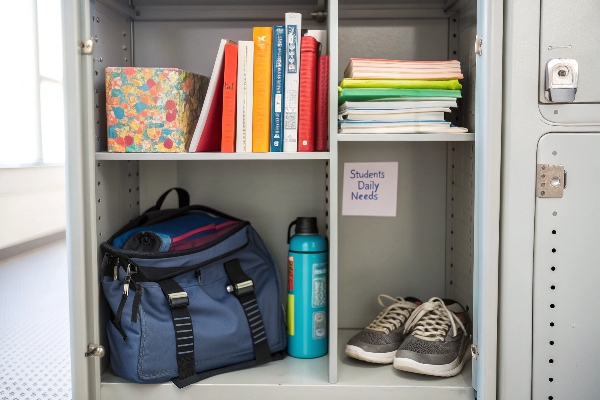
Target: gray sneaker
[438, 339]
[378, 342]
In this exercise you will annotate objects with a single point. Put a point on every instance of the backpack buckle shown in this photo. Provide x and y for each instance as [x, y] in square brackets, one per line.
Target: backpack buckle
[242, 288]
[179, 299]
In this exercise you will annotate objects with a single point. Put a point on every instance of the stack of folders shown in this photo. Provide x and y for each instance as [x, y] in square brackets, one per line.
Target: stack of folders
[397, 96]
[268, 94]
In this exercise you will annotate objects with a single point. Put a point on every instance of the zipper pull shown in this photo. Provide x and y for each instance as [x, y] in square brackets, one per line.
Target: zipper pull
[127, 280]
[116, 270]
[199, 277]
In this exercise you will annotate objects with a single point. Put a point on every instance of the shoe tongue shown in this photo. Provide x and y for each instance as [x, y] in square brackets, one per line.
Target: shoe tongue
[453, 306]
[414, 300]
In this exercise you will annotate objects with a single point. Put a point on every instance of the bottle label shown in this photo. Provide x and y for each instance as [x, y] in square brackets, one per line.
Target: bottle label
[291, 329]
[290, 273]
[319, 325]
[319, 285]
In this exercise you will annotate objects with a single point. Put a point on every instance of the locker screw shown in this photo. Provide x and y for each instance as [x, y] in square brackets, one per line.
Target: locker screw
[543, 193]
[543, 167]
[124, 33]
[97, 19]
[125, 59]
[96, 72]
[96, 91]
[543, 175]
[137, 13]
[124, 47]
[96, 38]
[97, 106]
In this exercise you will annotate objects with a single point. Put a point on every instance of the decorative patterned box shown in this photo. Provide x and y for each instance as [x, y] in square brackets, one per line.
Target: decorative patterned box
[152, 109]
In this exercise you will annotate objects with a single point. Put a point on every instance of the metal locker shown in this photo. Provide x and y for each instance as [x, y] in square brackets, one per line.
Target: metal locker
[566, 355]
[106, 190]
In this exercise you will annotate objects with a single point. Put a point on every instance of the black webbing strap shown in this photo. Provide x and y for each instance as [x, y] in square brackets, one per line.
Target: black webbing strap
[182, 322]
[243, 288]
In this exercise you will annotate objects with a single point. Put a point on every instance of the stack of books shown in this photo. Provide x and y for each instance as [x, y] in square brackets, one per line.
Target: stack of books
[398, 96]
[268, 94]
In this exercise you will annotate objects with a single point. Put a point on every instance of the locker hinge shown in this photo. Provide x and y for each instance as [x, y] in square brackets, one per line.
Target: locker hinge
[474, 352]
[95, 350]
[551, 181]
[321, 14]
[87, 46]
[478, 45]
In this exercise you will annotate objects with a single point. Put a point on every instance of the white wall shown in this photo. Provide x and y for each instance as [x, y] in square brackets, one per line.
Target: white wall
[32, 203]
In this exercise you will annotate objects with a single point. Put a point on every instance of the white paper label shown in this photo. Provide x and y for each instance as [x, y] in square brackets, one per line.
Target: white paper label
[370, 189]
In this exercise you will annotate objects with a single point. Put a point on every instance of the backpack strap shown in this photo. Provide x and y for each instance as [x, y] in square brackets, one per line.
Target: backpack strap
[182, 194]
[182, 322]
[243, 288]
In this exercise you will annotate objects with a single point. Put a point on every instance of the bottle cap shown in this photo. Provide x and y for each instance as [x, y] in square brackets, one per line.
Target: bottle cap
[306, 225]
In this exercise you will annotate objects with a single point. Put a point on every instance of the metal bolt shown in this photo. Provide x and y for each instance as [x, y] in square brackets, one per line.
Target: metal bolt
[125, 59]
[124, 47]
[97, 19]
[543, 193]
[96, 91]
[96, 72]
[96, 38]
[97, 106]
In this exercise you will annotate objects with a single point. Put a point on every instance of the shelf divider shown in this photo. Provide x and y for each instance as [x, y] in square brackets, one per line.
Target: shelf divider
[406, 137]
[210, 156]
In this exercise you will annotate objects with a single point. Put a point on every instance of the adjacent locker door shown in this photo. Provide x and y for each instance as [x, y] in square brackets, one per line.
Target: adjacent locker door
[566, 354]
[79, 127]
[488, 109]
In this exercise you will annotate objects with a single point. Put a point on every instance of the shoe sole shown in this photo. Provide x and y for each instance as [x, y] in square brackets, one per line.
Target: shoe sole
[377, 358]
[446, 370]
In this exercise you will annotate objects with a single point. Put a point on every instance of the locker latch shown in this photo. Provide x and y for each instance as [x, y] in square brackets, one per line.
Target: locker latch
[551, 181]
[95, 350]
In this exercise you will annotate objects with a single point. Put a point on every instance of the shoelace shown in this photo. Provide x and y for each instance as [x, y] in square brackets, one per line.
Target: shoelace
[393, 315]
[431, 321]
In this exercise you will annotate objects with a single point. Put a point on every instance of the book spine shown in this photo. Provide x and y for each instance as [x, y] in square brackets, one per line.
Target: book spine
[244, 96]
[307, 94]
[229, 97]
[261, 118]
[277, 103]
[322, 103]
[293, 26]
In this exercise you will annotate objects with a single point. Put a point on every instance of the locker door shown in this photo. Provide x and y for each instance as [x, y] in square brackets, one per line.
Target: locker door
[566, 354]
[569, 30]
[79, 127]
[488, 98]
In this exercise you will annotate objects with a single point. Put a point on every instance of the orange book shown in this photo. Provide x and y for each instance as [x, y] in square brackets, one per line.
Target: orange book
[261, 114]
[229, 97]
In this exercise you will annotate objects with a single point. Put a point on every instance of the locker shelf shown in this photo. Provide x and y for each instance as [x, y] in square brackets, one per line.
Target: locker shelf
[294, 378]
[407, 137]
[210, 156]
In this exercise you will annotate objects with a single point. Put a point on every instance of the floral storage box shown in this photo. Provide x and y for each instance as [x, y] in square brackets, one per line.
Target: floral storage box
[152, 109]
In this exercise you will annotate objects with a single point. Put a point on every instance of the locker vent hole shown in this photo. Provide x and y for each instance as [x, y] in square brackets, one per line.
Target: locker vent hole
[554, 250]
[551, 361]
[554, 153]
[552, 306]
[554, 231]
[550, 397]
[553, 268]
[552, 287]
[552, 343]
[555, 213]
[551, 323]
[551, 379]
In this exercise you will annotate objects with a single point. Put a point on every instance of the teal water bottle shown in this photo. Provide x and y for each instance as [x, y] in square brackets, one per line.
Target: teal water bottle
[307, 290]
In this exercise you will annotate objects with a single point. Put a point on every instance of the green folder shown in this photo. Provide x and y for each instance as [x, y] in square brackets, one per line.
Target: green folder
[384, 93]
[450, 84]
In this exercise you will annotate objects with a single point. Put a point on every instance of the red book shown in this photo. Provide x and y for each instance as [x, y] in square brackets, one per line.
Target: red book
[307, 100]
[229, 97]
[322, 104]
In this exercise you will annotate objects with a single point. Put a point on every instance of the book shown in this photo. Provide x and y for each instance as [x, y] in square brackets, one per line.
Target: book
[402, 130]
[401, 103]
[229, 98]
[261, 117]
[207, 135]
[307, 94]
[402, 69]
[428, 114]
[352, 94]
[277, 88]
[451, 84]
[245, 80]
[321, 36]
[321, 127]
[293, 26]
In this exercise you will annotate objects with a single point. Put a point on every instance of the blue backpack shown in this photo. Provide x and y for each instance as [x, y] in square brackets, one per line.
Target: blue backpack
[193, 292]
